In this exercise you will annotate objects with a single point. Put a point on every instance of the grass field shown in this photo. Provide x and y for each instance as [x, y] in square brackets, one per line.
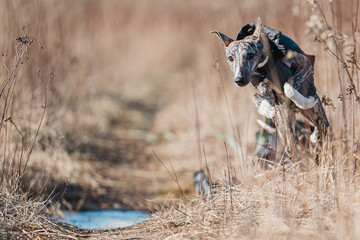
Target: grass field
[115, 104]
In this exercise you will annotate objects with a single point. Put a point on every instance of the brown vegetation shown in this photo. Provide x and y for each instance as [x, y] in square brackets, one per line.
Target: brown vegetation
[124, 81]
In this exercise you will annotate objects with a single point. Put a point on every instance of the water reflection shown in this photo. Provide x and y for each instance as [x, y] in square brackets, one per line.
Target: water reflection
[105, 219]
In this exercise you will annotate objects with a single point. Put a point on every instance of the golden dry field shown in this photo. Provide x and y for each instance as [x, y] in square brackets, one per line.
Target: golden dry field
[115, 104]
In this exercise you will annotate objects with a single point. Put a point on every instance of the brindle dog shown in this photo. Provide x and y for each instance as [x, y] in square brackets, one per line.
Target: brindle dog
[287, 81]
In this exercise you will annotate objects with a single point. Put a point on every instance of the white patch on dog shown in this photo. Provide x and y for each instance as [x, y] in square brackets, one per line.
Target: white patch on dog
[314, 135]
[266, 109]
[299, 100]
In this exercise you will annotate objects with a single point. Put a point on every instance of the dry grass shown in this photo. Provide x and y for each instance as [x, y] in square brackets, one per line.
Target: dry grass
[22, 218]
[22, 215]
[151, 74]
[296, 202]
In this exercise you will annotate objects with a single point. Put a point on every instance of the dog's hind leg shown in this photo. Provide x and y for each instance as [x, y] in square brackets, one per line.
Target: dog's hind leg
[317, 116]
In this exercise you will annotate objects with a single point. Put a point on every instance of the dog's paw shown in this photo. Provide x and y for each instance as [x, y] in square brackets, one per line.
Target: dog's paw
[266, 109]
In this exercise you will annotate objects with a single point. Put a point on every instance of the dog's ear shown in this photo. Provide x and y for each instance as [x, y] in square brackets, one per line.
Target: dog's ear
[224, 38]
[257, 33]
[258, 23]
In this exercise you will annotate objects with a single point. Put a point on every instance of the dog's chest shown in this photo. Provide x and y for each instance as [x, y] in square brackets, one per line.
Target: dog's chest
[279, 74]
[278, 92]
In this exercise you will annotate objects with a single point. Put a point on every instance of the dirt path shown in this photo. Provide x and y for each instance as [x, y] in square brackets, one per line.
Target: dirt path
[128, 176]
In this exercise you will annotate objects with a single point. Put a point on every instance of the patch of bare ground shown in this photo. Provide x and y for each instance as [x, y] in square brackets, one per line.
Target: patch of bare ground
[108, 163]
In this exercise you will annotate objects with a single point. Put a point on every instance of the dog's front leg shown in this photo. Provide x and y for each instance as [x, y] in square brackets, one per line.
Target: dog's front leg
[264, 107]
[300, 100]
[265, 100]
[300, 87]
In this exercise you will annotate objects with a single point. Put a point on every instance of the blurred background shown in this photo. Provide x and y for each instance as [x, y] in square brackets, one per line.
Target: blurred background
[140, 93]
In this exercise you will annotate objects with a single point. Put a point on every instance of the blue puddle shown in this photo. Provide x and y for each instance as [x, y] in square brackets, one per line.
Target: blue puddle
[105, 219]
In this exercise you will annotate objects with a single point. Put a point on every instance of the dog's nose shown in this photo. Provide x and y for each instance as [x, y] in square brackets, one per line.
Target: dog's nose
[240, 81]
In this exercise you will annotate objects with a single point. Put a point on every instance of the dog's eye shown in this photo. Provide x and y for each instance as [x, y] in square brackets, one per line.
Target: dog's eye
[250, 56]
[231, 58]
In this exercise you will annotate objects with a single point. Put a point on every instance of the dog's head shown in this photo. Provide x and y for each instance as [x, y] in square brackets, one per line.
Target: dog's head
[245, 55]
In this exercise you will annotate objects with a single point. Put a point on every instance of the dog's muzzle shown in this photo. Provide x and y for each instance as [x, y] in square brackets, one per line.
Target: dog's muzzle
[240, 81]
